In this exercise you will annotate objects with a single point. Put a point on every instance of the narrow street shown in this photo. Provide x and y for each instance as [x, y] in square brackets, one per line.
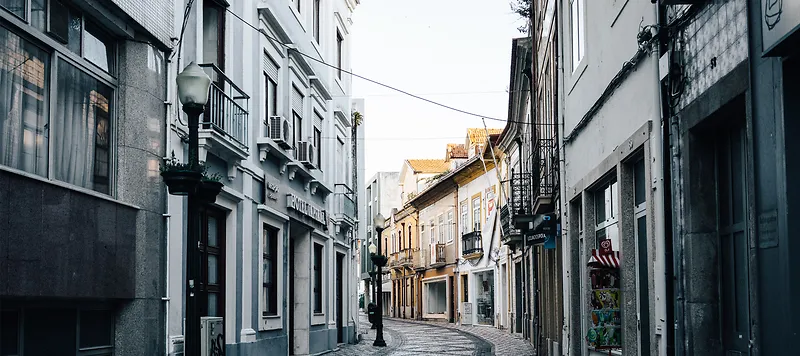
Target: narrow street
[407, 338]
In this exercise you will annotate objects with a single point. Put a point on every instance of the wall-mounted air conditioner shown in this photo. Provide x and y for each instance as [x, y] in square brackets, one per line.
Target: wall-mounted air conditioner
[280, 131]
[306, 154]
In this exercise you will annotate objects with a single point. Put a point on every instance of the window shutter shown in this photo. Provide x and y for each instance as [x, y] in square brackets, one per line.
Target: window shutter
[318, 121]
[270, 67]
[297, 101]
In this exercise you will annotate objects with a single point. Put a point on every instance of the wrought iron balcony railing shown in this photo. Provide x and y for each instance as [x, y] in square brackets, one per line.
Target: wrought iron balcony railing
[545, 183]
[471, 243]
[226, 110]
[521, 189]
[438, 256]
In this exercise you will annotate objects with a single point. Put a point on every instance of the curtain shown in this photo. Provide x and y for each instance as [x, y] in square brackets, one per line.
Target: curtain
[23, 124]
[82, 127]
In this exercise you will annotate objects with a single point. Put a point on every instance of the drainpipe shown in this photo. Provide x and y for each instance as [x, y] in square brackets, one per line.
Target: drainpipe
[657, 175]
[168, 144]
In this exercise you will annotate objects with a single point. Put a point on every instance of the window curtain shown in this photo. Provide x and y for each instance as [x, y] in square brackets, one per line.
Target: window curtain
[82, 126]
[23, 124]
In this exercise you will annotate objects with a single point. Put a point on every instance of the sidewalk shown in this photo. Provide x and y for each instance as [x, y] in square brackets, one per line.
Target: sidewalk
[503, 343]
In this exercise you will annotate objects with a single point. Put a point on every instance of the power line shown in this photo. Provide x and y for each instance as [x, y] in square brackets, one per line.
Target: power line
[263, 32]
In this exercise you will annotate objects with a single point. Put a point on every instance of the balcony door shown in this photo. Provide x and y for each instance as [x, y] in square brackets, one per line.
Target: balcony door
[212, 244]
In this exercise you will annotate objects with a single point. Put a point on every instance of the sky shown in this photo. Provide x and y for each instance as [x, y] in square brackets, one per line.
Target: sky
[456, 52]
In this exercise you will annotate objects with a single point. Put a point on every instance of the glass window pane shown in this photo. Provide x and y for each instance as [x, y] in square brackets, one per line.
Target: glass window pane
[639, 182]
[599, 206]
[23, 99]
[212, 269]
[9, 337]
[212, 304]
[82, 120]
[16, 7]
[97, 48]
[39, 14]
[213, 240]
[96, 328]
[600, 235]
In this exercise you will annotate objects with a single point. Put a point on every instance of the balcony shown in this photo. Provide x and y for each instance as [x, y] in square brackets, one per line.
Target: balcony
[472, 245]
[510, 234]
[546, 174]
[223, 128]
[344, 207]
[438, 257]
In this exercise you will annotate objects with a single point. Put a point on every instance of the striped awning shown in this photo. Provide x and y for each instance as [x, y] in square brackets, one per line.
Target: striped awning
[610, 260]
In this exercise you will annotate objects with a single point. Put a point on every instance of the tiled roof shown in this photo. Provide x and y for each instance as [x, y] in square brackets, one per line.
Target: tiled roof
[428, 165]
[456, 150]
[477, 136]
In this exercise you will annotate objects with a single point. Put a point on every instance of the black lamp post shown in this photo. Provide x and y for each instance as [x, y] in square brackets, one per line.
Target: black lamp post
[193, 87]
[379, 261]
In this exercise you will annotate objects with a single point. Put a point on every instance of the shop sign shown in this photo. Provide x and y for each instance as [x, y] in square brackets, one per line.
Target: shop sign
[779, 19]
[272, 191]
[301, 206]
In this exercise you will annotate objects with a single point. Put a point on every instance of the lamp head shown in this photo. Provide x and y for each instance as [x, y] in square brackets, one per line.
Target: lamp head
[193, 85]
[372, 248]
[379, 221]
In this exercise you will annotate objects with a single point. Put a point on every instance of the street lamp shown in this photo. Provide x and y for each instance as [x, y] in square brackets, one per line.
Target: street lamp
[373, 276]
[193, 87]
[379, 221]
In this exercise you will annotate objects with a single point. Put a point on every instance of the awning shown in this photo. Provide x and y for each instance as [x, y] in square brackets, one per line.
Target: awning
[611, 260]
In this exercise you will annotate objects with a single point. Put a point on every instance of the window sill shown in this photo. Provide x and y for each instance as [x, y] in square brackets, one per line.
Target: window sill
[576, 74]
[67, 186]
[318, 319]
[270, 322]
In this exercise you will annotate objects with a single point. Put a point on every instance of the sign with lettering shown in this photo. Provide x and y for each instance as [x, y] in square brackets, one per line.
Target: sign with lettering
[779, 19]
[272, 191]
[301, 206]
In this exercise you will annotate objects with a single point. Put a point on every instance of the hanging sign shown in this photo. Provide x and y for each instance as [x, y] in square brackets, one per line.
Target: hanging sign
[780, 19]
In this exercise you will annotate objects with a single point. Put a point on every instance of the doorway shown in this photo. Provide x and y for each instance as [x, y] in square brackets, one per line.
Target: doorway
[339, 290]
[452, 299]
[212, 250]
[732, 230]
[292, 276]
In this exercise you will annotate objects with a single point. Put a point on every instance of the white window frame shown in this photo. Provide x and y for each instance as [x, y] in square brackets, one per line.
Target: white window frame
[610, 191]
[442, 229]
[476, 210]
[464, 206]
[450, 225]
[577, 31]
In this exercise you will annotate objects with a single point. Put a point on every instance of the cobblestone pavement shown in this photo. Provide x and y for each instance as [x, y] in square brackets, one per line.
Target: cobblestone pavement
[404, 338]
[505, 343]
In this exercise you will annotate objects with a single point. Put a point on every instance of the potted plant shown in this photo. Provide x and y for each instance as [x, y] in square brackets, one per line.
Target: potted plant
[209, 187]
[181, 178]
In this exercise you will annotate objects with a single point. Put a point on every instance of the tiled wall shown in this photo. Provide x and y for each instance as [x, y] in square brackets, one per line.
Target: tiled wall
[154, 15]
[718, 31]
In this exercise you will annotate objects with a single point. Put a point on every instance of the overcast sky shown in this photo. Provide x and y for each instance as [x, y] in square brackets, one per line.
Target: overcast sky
[456, 52]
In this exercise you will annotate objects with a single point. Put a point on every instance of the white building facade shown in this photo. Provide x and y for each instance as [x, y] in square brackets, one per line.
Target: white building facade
[279, 265]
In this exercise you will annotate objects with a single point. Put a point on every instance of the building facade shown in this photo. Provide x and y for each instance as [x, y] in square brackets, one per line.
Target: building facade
[82, 90]
[382, 194]
[278, 245]
[613, 188]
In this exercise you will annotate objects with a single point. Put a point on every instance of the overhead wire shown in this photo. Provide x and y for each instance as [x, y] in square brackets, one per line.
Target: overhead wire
[291, 48]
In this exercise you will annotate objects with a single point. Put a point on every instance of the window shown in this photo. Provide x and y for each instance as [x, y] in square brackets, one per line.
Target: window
[476, 213]
[409, 236]
[68, 331]
[341, 156]
[16, 7]
[214, 36]
[606, 201]
[442, 229]
[577, 24]
[271, 95]
[450, 225]
[298, 130]
[318, 146]
[339, 43]
[465, 288]
[270, 270]
[318, 278]
[433, 232]
[464, 218]
[422, 232]
[316, 19]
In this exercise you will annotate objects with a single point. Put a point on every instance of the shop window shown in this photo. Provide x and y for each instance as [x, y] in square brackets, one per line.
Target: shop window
[270, 270]
[318, 270]
[606, 201]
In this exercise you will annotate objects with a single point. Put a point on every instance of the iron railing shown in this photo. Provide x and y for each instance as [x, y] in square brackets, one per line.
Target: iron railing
[226, 108]
[439, 254]
[471, 242]
[545, 183]
[521, 188]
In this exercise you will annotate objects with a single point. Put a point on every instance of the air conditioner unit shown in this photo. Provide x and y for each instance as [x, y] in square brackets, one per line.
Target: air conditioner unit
[212, 338]
[280, 131]
[305, 154]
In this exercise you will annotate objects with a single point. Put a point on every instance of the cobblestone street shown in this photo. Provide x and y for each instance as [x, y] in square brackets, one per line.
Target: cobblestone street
[408, 338]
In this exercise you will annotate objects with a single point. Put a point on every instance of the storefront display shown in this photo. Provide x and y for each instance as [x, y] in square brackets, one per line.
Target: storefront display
[605, 322]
